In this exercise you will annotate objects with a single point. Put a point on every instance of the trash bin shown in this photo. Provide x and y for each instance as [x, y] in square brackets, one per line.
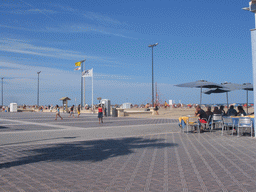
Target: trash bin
[114, 112]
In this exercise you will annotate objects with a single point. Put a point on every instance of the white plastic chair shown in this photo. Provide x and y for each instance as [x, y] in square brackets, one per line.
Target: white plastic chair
[227, 122]
[216, 119]
[244, 122]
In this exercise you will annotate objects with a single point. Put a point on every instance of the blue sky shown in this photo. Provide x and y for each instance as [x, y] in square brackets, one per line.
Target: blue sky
[200, 39]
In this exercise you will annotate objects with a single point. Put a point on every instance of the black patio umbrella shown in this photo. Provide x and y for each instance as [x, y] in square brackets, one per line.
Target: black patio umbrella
[247, 87]
[200, 84]
[218, 90]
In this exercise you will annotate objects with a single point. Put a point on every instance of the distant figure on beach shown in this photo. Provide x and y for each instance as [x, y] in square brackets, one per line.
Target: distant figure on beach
[165, 105]
[241, 111]
[51, 108]
[147, 107]
[216, 111]
[156, 109]
[232, 111]
[58, 112]
[209, 112]
[100, 114]
[78, 110]
[223, 113]
[72, 111]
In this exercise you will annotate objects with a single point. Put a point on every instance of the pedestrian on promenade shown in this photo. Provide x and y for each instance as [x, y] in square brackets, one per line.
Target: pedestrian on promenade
[100, 114]
[156, 109]
[72, 111]
[78, 110]
[165, 105]
[58, 112]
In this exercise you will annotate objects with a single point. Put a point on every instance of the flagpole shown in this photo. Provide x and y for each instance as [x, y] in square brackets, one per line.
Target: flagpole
[84, 86]
[81, 85]
[92, 90]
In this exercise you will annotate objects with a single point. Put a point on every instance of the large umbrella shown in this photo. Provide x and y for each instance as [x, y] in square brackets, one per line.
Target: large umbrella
[247, 87]
[200, 84]
[219, 90]
[227, 87]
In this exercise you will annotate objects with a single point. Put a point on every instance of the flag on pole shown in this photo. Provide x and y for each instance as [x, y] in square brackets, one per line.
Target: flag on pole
[78, 64]
[87, 73]
[78, 68]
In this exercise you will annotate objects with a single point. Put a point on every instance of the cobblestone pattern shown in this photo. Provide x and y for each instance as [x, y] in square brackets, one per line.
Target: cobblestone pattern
[166, 162]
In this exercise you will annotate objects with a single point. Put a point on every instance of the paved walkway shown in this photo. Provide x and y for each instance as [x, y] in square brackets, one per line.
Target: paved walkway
[123, 154]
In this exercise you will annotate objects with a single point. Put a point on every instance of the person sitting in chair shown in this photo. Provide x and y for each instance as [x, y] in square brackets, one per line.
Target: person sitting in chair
[241, 111]
[232, 111]
[209, 112]
[202, 115]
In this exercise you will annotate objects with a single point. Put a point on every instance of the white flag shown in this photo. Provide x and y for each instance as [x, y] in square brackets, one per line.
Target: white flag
[87, 73]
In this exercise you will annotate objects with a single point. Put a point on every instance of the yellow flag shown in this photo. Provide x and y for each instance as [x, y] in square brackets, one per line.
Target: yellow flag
[78, 64]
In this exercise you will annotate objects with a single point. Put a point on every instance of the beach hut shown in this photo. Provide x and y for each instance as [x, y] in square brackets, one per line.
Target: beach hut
[65, 103]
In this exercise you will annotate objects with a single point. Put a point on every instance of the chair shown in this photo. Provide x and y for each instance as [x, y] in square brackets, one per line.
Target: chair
[193, 122]
[208, 122]
[227, 122]
[216, 119]
[244, 122]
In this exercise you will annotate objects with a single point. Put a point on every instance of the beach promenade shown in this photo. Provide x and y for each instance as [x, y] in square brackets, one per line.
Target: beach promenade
[38, 153]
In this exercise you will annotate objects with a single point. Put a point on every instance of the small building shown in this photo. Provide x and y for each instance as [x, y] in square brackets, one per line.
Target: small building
[65, 103]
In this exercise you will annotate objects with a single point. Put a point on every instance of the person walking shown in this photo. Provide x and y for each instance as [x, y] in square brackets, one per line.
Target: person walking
[72, 111]
[100, 114]
[58, 112]
[78, 110]
[165, 105]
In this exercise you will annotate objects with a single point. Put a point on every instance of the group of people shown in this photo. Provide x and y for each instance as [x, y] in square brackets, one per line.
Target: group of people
[71, 111]
[100, 112]
[205, 116]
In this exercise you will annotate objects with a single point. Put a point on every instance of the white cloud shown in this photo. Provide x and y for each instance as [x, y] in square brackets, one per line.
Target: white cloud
[23, 47]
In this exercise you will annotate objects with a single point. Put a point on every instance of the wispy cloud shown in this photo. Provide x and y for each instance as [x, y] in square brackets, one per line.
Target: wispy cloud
[23, 47]
[103, 19]
[31, 11]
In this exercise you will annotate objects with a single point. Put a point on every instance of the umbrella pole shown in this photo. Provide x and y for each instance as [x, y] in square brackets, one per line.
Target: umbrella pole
[227, 98]
[247, 100]
[201, 97]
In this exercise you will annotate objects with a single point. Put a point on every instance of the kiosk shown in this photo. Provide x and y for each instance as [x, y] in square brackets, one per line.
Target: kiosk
[65, 103]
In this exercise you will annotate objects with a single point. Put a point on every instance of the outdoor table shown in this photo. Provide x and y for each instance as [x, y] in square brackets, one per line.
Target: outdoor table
[235, 119]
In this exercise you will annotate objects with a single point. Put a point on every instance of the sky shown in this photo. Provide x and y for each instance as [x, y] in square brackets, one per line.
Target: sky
[198, 40]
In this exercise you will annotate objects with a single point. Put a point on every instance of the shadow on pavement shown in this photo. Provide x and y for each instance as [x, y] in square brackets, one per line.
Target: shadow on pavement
[97, 150]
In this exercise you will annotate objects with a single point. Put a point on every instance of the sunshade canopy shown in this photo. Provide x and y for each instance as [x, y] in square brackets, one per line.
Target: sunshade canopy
[200, 84]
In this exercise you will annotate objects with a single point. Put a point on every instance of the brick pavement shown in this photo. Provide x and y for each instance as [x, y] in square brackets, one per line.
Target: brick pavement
[169, 161]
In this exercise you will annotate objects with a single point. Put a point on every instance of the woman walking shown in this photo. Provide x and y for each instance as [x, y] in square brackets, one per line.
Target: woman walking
[58, 112]
[100, 114]
[72, 111]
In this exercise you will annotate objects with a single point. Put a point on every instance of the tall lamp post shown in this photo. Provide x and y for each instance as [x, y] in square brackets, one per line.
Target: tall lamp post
[38, 89]
[153, 45]
[2, 91]
[252, 8]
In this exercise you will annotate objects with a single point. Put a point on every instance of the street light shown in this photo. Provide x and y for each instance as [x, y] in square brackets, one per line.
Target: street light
[252, 8]
[38, 89]
[153, 74]
[2, 91]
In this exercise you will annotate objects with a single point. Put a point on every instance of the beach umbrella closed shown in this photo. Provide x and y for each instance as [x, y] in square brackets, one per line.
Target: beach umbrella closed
[200, 84]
